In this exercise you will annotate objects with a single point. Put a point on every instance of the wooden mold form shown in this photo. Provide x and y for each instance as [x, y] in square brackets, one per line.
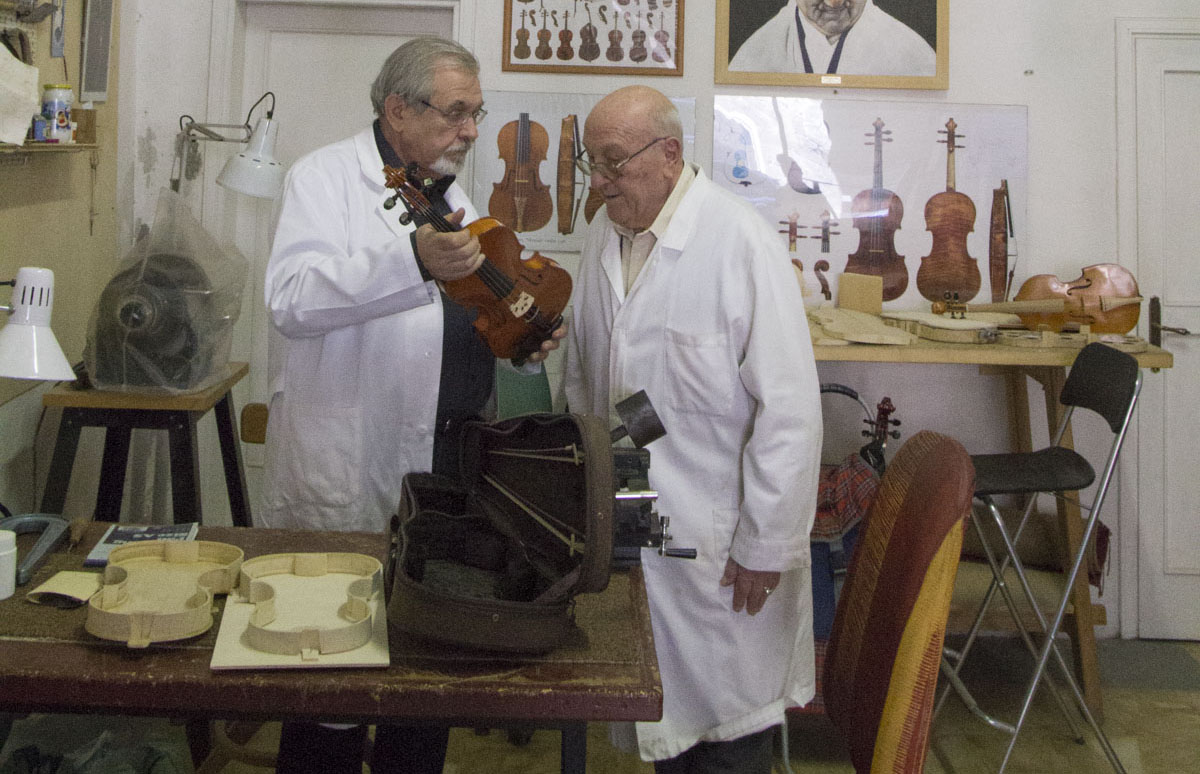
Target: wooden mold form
[305, 610]
[161, 590]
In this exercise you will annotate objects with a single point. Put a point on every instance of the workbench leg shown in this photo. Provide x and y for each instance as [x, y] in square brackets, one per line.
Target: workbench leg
[574, 748]
[54, 497]
[231, 457]
[112, 473]
[185, 467]
[1081, 624]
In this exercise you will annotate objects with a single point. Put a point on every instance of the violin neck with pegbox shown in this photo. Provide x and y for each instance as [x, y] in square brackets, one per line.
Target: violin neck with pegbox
[519, 303]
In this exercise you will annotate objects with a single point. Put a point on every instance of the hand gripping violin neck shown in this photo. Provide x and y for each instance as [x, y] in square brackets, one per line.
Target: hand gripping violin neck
[519, 303]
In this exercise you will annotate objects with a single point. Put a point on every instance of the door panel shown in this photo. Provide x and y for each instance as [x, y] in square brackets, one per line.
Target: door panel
[1165, 80]
[320, 63]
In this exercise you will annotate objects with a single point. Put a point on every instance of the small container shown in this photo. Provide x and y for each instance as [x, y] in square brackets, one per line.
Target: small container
[38, 134]
[57, 99]
[8, 563]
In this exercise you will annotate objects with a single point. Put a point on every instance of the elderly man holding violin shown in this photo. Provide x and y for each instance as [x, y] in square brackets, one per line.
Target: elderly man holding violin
[373, 369]
[686, 292]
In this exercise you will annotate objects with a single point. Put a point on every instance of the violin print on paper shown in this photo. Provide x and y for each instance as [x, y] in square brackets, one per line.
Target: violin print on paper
[593, 36]
[863, 180]
[523, 172]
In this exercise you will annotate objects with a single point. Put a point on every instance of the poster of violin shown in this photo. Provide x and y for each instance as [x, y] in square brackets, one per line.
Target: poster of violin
[594, 36]
[908, 191]
[523, 169]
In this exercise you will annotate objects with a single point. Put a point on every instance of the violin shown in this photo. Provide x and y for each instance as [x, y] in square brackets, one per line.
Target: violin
[565, 50]
[1104, 297]
[950, 216]
[819, 268]
[615, 53]
[519, 303]
[998, 244]
[877, 215]
[522, 50]
[521, 200]
[637, 52]
[661, 52]
[589, 49]
[879, 434]
[543, 50]
[791, 230]
[827, 221]
[568, 150]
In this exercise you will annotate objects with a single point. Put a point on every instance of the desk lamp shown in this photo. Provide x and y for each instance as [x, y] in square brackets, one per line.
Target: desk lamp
[28, 349]
[253, 170]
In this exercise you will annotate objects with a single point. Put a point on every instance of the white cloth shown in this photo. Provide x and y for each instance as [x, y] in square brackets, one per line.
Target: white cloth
[714, 330]
[877, 44]
[354, 375]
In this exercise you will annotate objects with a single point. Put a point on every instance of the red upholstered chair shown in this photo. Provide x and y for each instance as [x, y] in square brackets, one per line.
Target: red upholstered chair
[881, 667]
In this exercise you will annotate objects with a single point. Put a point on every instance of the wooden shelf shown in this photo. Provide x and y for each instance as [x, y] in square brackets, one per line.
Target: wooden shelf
[47, 147]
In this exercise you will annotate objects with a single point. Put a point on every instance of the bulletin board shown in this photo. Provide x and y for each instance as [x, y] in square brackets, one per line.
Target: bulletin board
[804, 162]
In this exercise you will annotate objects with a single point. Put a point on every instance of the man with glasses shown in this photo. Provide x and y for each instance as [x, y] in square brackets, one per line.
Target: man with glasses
[372, 369]
[686, 292]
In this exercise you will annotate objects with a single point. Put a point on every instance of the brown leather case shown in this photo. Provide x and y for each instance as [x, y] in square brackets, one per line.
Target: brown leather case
[494, 561]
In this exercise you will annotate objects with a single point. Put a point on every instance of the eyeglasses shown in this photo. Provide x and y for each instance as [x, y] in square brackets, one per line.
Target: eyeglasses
[610, 169]
[458, 117]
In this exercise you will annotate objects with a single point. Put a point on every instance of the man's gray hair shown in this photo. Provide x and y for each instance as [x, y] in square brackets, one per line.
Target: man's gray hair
[408, 72]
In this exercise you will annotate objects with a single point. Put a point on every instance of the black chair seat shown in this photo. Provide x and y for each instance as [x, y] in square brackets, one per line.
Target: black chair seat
[1053, 469]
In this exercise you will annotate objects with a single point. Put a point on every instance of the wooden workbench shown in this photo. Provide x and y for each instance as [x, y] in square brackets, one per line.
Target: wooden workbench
[1048, 367]
[48, 663]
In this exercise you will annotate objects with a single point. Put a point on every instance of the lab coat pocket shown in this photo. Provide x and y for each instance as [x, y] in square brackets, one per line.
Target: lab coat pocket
[324, 461]
[700, 372]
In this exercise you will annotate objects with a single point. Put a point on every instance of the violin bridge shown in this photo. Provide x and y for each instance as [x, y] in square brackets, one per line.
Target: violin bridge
[521, 305]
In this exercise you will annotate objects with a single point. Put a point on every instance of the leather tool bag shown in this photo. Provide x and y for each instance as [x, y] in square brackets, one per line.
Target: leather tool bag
[494, 561]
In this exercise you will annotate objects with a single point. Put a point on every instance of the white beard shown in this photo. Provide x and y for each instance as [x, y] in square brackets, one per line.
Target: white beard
[450, 162]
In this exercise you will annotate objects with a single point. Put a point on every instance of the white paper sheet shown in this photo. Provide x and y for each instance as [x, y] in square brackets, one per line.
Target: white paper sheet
[19, 99]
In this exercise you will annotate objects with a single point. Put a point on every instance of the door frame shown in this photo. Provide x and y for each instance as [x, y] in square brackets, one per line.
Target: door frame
[1128, 32]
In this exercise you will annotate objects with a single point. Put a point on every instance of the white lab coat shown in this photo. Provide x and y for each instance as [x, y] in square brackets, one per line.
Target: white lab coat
[877, 44]
[714, 331]
[354, 374]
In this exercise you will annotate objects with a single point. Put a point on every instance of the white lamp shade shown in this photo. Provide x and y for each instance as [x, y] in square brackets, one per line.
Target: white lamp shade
[254, 170]
[28, 349]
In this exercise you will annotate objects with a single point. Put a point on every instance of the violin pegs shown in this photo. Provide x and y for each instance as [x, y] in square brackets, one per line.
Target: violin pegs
[405, 218]
[389, 202]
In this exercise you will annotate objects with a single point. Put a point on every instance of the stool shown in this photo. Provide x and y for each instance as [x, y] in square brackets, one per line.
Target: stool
[120, 413]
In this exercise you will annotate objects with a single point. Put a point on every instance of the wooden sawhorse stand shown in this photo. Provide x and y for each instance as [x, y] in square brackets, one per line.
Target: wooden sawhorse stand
[122, 412]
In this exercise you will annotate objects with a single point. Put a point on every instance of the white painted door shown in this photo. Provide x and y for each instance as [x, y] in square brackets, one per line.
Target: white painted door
[1159, 99]
[319, 61]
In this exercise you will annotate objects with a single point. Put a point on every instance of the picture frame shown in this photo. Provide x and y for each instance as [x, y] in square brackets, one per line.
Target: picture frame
[916, 57]
[608, 37]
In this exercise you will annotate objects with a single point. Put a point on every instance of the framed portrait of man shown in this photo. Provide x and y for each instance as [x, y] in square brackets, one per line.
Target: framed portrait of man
[887, 44]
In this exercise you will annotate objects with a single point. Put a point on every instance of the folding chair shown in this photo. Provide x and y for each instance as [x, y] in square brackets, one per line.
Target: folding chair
[1107, 382]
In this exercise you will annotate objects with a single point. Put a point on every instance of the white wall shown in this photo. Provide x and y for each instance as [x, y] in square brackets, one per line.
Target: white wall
[1058, 59]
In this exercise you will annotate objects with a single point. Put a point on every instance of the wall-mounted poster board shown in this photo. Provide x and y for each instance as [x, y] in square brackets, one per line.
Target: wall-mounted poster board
[892, 44]
[617, 37]
[846, 181]
[523, 168]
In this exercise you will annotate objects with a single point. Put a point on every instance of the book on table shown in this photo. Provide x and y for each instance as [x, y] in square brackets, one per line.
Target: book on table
[120, 534]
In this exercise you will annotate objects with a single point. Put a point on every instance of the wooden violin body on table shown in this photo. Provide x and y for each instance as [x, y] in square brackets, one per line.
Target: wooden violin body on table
[521, 200]
[949, 216]
[877, 216]
[519, 303]
[1104, 297]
